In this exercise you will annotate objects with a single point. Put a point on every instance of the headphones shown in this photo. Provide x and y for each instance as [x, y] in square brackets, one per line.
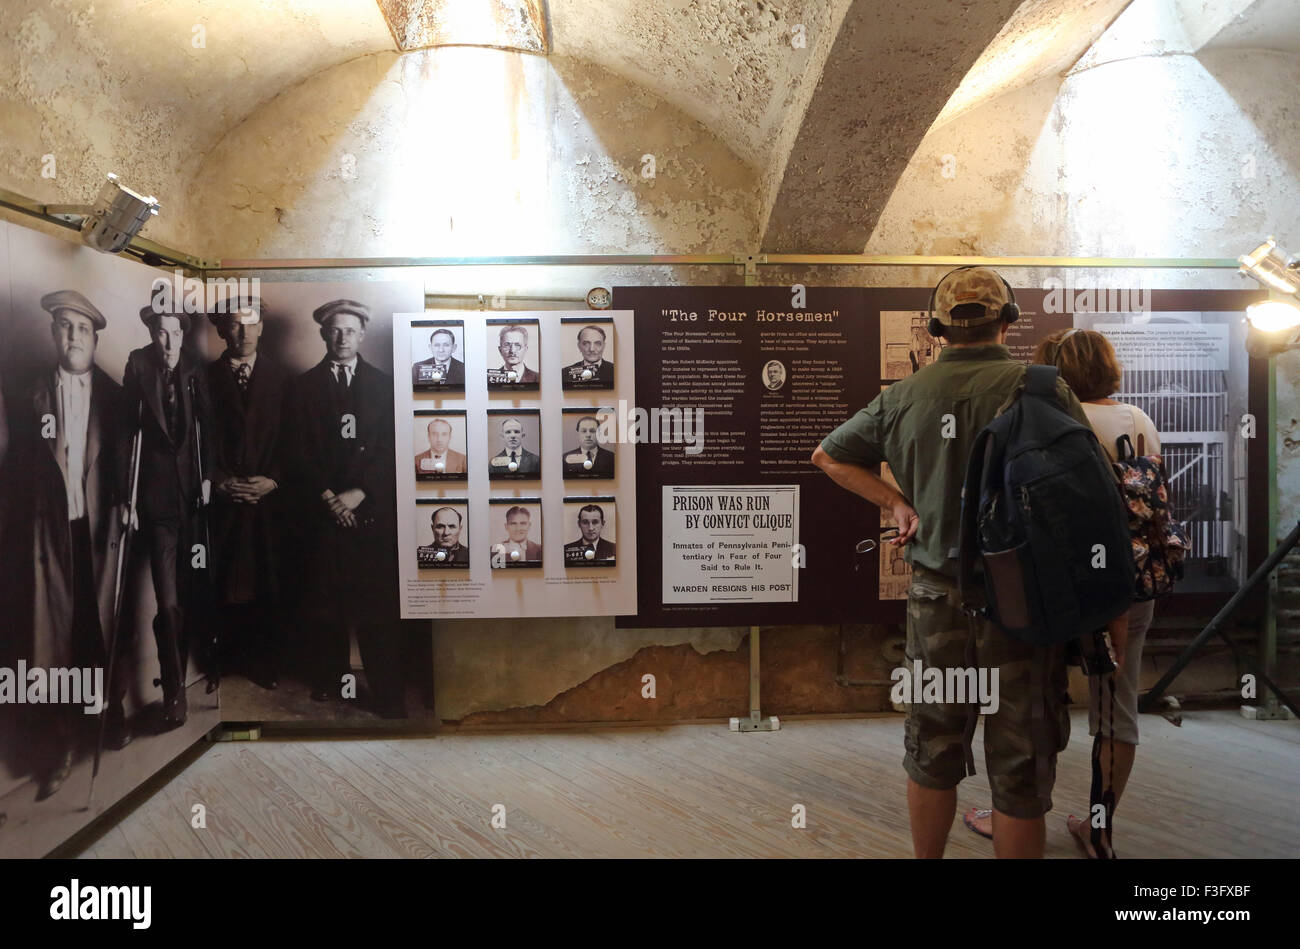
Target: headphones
[1009, 313]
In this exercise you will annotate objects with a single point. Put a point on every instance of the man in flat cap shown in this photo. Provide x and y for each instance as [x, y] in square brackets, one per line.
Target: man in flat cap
[167, 391]
[341, 456]
[61, 505]
[248, 390]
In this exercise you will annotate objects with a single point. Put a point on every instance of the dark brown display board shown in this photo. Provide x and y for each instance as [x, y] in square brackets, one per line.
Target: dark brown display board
[710, 347]
[713, 348]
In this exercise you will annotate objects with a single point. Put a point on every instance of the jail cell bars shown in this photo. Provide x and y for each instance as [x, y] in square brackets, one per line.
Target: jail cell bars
[1189, 405]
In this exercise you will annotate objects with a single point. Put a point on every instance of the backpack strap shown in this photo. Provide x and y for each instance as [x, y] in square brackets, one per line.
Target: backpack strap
[1124, 447]
[1041, 380]
[977, 470]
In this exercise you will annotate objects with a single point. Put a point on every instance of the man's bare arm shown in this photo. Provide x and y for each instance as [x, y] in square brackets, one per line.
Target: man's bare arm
[867, 484]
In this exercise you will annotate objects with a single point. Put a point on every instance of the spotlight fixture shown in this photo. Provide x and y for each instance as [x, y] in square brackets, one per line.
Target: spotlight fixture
[116, 217]
[1274, 328]
[1274, 324]
[1271, 267]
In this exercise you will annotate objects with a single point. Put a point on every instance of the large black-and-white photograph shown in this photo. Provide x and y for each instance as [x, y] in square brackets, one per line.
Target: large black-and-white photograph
[442, 533]
[439, 438]
[438, 355]
[905, 343]
[516, 532]
[587, 452]
[515, 443]
[590, 531]
[588, 350]
[513, 348]
[106, 466]
[307, 593]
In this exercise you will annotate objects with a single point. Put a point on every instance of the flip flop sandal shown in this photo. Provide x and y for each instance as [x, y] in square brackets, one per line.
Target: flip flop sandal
[974, 814]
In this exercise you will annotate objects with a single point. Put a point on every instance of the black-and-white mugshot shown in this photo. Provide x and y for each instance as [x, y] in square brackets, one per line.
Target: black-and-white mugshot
[514, 458]
[590, 546]
[167, 390]
[447, 524]
[439, 458]
[441, 368]
[588, 458]
[517, 547]
[340, 438]
[593, 367]
[512, 344]
[60, 505]
[248, 390]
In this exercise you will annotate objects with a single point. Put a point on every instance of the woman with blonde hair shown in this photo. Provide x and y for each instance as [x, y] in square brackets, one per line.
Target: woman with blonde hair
[1087, 362]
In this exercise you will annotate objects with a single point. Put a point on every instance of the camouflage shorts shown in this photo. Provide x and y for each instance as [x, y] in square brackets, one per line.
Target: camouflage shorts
[937, 632]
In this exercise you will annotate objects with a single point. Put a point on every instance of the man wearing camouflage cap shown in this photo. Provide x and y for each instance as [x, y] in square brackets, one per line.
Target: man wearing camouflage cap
[61, 505]
[923, 427]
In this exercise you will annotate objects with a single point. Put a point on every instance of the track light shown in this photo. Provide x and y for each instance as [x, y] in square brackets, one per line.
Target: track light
[1271, 267]
[116, 217]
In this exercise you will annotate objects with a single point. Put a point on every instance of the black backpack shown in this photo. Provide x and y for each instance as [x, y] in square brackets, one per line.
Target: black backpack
[1042, 510]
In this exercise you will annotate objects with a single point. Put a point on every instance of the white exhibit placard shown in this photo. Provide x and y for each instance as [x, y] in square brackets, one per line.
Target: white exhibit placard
[731, 543]
[512, 499]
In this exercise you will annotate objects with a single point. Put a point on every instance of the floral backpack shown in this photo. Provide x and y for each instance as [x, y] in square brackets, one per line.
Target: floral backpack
[1160, 543]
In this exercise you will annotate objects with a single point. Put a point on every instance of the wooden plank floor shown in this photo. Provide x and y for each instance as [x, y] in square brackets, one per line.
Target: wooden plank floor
[1219, 786]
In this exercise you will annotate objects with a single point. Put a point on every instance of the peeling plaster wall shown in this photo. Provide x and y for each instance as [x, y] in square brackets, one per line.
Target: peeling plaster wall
[463, 151]
[1146, 152]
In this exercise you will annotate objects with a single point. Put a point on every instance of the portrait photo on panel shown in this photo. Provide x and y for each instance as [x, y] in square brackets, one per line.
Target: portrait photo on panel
[442, 533]
[589, 531]
[516, 532]
[587, 453]
[439, 440]
[515, 443]
[438, 355]
[513, 353]
[588, 348]
[774, 374]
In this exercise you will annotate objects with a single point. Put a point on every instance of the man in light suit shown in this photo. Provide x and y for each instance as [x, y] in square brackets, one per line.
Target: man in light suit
[589, 450]
[440, 458]
[517, 547]
[61, 507]
[441, 367]
[513, 451]
[167, 390]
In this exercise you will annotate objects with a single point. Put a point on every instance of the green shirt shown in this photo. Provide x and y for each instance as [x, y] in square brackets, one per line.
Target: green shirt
[924, 426]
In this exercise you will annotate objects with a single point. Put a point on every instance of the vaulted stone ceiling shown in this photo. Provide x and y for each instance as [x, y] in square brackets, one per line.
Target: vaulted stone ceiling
[825, 99]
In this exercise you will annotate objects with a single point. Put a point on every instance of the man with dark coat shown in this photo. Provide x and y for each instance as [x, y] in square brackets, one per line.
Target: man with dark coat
[248, 390]
[588, 457]
[341, 461]
[590, 546]
[167, 390]
[442, 367]
[61, 500]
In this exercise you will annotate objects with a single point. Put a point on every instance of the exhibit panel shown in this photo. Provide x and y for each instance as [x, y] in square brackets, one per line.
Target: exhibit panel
[747, 381]
[532, 444]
